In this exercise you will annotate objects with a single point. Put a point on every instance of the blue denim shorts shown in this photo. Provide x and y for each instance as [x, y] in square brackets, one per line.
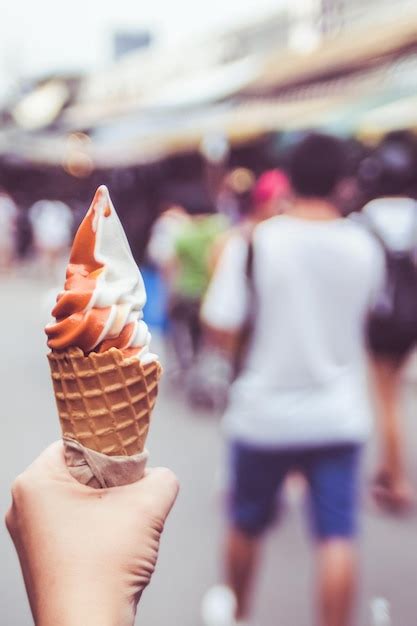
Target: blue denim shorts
[332, 474]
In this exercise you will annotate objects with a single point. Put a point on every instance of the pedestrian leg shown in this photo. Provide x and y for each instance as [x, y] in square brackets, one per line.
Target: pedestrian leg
[336, 581]
[241, 559]
[392, 488]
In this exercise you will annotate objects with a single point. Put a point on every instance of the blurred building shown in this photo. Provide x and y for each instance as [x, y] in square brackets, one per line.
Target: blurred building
[311, 20]
[343, 14]
[142, 124]
[336, 15]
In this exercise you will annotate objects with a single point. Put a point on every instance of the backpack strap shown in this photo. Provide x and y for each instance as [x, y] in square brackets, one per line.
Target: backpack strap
[249, 262]
[247, 328]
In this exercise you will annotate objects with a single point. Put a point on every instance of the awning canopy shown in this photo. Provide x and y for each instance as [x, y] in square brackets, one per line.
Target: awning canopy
[359, 82]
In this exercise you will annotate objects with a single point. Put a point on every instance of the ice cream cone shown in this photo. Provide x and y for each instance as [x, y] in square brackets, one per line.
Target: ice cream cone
[104, 399]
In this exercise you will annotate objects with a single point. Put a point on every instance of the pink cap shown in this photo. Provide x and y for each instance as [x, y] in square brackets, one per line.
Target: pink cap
[271, 185]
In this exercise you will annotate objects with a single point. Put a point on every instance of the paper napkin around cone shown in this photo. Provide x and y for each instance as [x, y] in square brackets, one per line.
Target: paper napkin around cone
[100, 471]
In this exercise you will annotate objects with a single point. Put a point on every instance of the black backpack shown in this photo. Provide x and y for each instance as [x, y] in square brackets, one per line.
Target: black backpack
[395, 308]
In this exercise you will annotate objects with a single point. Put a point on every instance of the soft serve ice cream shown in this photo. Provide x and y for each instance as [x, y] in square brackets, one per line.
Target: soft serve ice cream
[104, 294]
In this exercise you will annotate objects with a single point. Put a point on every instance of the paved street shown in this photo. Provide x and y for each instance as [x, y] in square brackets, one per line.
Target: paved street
[190, 444]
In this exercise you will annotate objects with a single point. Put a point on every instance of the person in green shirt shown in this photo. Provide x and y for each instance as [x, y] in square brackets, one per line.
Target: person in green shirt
[190, 277]
[193, 250]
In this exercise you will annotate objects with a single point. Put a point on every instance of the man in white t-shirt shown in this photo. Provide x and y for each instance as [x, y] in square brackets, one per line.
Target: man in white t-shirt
[301, 399]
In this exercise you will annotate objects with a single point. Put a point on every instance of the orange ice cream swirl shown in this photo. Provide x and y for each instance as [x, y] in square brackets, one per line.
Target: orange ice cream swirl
[98, 310]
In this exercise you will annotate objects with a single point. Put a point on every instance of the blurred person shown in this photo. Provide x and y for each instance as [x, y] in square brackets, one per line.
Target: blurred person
[189, 279]
[65, 532]
[161, 245]
[52, 224]
[300, 401]
[23, 233]
[235, 194]
[392, 329]
[160, 251]
[8, 223]
[271, 195]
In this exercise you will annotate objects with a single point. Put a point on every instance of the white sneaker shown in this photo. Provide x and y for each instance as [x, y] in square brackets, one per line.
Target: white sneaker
[380, 611]
[218, 607]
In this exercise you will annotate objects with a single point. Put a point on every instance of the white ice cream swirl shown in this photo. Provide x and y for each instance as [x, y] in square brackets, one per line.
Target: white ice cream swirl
[101, 305]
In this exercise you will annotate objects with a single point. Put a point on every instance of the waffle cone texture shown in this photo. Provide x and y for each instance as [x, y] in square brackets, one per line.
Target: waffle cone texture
[104, 400]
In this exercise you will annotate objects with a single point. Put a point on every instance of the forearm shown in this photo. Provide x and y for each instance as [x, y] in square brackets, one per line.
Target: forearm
[392, 444]
[225, 341]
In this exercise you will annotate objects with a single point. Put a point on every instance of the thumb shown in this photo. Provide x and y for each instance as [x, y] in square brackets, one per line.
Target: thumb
[160, 486]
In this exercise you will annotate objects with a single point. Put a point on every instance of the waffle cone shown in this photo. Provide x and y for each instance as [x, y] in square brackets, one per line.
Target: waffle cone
[104, 399]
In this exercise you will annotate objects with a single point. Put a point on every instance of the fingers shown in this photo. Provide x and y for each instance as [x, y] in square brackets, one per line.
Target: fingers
[162, 484]
[9, 520]
[50, 465]
[50, 460]
[24, 485]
